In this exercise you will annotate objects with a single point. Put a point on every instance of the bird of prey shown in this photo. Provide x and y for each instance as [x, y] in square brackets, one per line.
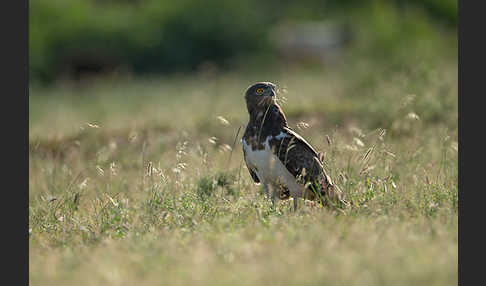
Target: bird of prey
[279, 158]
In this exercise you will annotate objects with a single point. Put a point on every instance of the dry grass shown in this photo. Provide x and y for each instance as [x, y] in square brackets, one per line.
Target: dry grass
[131, 182]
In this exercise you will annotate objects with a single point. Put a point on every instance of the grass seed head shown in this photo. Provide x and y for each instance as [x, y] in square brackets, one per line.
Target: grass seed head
[223, 121]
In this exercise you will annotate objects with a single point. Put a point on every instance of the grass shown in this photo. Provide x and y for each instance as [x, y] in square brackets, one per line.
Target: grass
[140, 181]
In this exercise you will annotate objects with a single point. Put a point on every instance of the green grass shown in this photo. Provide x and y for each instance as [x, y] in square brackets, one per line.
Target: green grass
[132, 181]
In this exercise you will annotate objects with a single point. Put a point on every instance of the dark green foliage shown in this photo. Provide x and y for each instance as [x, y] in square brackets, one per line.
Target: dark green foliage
[67, 38]
[207, 185]
[146, 36]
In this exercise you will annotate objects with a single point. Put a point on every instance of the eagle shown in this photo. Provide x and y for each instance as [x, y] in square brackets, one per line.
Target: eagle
[279, 158]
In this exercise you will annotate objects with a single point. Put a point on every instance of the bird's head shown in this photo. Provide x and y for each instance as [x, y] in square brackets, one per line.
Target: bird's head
[260, 96]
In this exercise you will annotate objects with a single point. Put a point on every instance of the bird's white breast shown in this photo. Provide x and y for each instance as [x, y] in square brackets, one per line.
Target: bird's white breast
[268, 166]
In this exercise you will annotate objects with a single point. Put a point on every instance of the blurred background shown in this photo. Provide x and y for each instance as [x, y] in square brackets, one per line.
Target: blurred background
[136, 173]
[80, 39]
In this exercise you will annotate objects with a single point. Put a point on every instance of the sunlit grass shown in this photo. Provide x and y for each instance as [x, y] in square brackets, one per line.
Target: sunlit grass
[141, 182]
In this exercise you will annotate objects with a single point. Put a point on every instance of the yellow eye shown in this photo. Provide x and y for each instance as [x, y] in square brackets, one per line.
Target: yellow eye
[259, 90]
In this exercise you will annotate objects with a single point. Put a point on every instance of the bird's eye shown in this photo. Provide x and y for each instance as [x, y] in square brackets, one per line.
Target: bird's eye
[259, 90]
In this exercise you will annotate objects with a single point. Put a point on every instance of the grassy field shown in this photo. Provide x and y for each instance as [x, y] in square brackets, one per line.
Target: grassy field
[141, 181]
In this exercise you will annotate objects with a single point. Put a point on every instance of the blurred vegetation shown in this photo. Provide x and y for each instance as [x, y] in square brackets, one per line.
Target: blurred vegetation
[134, 179]
[140, 182]
[154, 36]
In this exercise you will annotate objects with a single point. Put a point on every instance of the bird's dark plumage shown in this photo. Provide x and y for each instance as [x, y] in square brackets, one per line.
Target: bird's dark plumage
[277, 156]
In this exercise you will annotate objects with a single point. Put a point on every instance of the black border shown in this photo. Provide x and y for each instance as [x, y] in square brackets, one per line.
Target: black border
[15, 140]
[471, 41]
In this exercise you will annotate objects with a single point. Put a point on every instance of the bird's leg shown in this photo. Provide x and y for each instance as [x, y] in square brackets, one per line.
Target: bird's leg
[265, 189]
[295, 191]
[273, 195]
[269, 193]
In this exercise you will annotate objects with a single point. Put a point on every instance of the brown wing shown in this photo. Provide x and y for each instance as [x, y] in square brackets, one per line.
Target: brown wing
[300, 155]
[296, 154]
[292, 133]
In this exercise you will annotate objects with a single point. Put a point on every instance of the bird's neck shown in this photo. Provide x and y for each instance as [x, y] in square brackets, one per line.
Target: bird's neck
[268, 120]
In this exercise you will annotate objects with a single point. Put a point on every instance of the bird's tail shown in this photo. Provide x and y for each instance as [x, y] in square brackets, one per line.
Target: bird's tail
[334, 196]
